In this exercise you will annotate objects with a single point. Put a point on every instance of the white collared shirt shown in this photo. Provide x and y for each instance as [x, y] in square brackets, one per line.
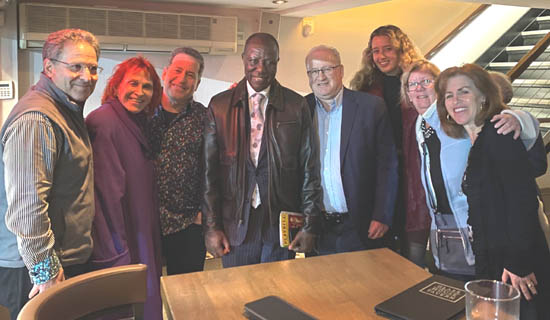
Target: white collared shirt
[330, 130]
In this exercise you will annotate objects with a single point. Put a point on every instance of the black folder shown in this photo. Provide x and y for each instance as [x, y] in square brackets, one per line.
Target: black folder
[274, 308]
[436, 298]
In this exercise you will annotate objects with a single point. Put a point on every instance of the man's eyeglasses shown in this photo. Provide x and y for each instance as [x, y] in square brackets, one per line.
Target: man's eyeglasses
[327, 71]
[79, 67]
[426, 83]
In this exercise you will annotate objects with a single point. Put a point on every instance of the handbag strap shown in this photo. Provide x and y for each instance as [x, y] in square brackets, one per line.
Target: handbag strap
[427, 177]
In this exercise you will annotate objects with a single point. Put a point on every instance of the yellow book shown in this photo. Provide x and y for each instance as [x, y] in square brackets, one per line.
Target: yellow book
[289, 225]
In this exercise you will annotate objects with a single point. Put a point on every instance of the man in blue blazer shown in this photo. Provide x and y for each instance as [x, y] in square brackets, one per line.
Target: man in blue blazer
[358, 158]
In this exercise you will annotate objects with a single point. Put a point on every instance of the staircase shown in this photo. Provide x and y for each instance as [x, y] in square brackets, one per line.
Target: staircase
[532, 88]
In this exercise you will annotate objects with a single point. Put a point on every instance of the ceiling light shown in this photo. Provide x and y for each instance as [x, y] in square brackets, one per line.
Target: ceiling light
[279, 1]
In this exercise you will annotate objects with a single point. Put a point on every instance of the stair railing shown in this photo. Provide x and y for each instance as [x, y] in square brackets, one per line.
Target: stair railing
[529, 57]
[525, 62]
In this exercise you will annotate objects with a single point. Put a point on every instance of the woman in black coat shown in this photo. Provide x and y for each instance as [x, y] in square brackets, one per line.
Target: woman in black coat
[500, 185]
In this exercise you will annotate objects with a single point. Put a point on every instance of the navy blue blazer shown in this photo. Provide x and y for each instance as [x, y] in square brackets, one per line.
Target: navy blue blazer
[368, 159]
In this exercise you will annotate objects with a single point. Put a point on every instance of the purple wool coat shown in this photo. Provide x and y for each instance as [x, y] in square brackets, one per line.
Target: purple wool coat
[126, 228]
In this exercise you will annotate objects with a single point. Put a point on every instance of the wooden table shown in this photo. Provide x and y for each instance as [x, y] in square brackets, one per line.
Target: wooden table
[340, 286]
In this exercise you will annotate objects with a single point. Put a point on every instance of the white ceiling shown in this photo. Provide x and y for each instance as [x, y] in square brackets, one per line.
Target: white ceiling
[519, 3]
[303, 8]
[267, 4]
[298, 8]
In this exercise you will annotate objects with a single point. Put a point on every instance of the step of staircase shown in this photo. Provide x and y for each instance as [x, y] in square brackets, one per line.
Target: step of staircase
[535, 112]
[543, 103]
[543, 22]
[510, 65]
[532, 83]
[515, 53]
[540, 92]
[539, 108]
[537, 70]
[533, 36]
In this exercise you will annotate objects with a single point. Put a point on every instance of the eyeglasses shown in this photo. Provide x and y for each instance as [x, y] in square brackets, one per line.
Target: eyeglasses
[79, 67]
[327, 71]
[426, 83]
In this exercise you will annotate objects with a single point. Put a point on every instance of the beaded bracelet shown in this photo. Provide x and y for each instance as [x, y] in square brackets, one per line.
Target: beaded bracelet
[45, 270]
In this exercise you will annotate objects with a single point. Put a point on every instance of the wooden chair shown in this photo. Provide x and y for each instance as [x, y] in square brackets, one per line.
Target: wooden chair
[4, 313]
[91, 295]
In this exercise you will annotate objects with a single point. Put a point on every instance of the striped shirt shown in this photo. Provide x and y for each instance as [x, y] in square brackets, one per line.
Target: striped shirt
[30, 152]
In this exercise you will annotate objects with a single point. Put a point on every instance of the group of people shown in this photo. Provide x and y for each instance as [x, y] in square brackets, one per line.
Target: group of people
[122, 186]
[406, 157]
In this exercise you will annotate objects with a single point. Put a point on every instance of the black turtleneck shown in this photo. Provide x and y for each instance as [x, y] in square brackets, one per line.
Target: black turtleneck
[392, 97]
[168, 117]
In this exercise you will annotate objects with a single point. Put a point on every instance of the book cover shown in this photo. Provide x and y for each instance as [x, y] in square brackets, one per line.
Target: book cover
[289, 225]
[436, 298]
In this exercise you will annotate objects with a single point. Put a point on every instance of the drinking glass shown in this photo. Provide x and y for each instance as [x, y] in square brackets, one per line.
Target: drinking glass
[491, 300]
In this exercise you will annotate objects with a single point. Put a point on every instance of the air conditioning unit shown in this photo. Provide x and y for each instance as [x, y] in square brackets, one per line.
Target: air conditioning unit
[130, 30]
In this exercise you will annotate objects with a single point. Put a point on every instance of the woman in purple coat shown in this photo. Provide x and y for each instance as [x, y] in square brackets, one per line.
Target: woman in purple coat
[126, 224]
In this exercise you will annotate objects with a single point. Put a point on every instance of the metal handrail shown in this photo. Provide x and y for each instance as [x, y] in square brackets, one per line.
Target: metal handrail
[526, 61]
[529, 57]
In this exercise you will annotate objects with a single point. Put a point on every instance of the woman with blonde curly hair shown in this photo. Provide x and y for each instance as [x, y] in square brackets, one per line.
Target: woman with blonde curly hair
[389, 52]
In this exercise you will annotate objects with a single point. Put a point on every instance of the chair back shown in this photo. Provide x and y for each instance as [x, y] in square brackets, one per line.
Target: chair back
[4, 313]
[91, 294]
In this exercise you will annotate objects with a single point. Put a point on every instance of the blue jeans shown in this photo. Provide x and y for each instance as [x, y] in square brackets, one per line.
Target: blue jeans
[16, 285]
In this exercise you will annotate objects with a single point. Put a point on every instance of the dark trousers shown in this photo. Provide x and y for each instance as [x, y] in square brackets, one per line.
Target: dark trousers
[344, 237]
[184, 250]
[76, 270]
[261, 243]
[15, 286]
[414, 246]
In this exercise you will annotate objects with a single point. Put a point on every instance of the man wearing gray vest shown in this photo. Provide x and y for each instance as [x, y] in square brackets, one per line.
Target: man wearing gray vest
[46, 177]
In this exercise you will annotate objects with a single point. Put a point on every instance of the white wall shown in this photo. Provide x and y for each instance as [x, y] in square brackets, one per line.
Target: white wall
[425, 21]
[108, 60]
[8, 55]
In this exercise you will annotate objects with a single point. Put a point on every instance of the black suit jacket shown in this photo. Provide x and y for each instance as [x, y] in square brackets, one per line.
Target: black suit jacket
[502, 199]
[368, 159]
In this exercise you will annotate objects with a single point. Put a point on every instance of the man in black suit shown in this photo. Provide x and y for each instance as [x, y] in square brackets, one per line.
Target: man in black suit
[252, 172]
[358, 158]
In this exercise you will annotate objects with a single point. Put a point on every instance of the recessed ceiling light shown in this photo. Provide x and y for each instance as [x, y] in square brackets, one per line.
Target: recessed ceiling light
[279, 1]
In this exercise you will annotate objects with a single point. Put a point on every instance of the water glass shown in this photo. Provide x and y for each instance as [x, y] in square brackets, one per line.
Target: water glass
[491, 300]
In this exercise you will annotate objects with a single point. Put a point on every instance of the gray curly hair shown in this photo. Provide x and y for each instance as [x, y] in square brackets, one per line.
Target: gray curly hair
[56, 41]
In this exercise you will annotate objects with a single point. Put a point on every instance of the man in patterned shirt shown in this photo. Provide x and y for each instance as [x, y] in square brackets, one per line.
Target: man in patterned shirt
[177, 138]
[46, 184]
